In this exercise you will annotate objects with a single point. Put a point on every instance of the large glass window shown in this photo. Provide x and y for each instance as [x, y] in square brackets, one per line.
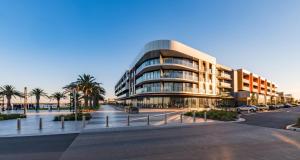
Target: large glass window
[150, 87]
[180, 74]
[183, 61]
[180, 87]
[148, 76]
[147, 63]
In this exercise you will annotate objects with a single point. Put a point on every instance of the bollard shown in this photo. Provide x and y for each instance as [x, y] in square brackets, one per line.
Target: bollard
[18, 124]
[128, 120]
[148, 120]
[181, 118]
[83, 121]
[107, 121]
[166, 119]
[194, 117]
[41, 124]
[62, 122]
[205, 117]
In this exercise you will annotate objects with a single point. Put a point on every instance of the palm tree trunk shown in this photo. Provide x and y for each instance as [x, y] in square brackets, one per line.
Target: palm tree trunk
[94, 101]
[58, 105]
[8, 103]
[86, 101]
[37, 104]
[90, 104]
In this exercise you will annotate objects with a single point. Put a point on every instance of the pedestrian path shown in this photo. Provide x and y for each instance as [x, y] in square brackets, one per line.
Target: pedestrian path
[117, 118]
[30, 125]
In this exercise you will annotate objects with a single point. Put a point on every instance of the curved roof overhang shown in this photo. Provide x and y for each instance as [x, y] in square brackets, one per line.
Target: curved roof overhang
[154, 48]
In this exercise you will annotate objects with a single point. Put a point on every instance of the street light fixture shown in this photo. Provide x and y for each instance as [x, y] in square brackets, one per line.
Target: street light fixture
[25, 100]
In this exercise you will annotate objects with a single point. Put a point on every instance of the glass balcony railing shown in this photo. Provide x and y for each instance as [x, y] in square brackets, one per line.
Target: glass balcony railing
[148, 63]
[185, 62]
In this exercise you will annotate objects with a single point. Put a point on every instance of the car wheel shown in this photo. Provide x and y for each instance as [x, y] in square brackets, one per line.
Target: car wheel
[251, 110]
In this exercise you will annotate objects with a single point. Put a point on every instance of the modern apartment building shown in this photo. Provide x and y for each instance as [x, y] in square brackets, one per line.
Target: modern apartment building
[255, 89]
[168, 73]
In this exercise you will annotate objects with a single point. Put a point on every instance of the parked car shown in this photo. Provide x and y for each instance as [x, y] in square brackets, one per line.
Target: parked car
[287, 106]
[278, 106]
[262, 107]
[131, 109]
[294, 105]
[250, 108]
[272, 107]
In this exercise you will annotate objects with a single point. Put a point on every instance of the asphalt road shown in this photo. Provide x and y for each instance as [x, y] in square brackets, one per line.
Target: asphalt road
[35, 147]
[274, 119]
[230, 141]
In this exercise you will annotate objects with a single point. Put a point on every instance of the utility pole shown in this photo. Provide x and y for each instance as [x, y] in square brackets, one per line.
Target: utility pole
[25, 100]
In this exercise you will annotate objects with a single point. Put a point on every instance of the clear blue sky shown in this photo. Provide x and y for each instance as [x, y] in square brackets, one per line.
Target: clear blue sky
[49, 43]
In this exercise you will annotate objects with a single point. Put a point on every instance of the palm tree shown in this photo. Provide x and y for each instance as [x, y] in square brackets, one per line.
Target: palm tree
[38, 93]
[253, 99]
[58, 96]
[9, 91]
[92, 90]
[85, 84]
[98, 93]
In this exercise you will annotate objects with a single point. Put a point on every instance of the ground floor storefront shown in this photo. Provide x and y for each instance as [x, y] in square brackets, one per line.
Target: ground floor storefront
[176, 102]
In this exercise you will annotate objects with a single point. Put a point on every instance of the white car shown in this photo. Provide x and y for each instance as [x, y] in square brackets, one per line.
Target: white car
[250, 108]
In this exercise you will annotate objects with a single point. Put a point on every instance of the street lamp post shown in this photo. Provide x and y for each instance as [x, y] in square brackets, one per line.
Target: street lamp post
[25, 100]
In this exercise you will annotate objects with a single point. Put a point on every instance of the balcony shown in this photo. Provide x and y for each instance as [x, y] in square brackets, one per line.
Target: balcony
[246, 81]
[224, 76]
[255, 83]
[224, 85]
[179, 61]
[246, 88]
[209, 71]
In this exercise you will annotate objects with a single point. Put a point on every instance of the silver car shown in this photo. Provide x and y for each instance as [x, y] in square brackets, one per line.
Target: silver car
[250, 108]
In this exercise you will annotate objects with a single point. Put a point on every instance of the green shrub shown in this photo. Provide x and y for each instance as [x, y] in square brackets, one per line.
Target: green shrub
[71, 117]
[11, 116]
[216, 115]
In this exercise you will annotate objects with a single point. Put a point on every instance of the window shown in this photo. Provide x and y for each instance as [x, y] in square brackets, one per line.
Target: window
[147, 63]
[182, 61]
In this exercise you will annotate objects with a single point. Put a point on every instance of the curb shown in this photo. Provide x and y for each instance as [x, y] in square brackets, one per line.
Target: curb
[290, 127]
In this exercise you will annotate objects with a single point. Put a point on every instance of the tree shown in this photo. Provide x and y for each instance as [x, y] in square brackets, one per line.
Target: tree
[253, 99]
[9, 91]
[98, 93]
[58, 96]
[85, 84]
[92, 90]
[38, 93]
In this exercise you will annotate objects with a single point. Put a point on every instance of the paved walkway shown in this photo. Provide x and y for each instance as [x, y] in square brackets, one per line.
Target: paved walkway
[119, 118]
[30, 125]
